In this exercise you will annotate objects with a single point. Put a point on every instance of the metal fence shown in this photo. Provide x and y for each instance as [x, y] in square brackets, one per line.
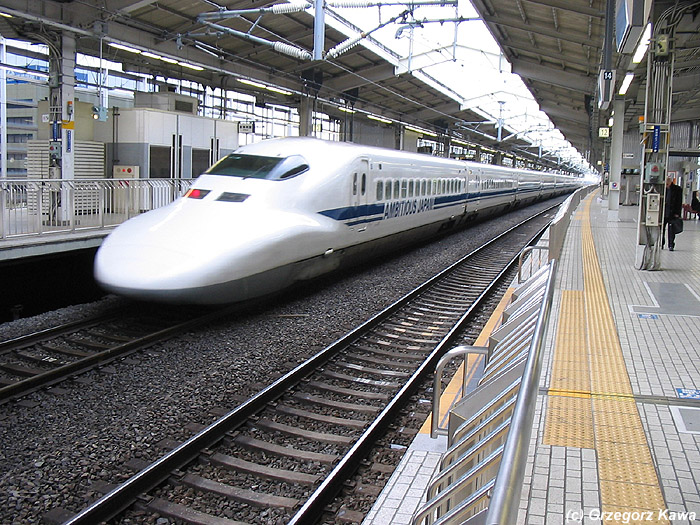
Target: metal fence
[34, 207]
[481, 472]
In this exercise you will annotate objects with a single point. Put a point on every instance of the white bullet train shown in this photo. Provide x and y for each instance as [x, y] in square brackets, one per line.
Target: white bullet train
[281, 211]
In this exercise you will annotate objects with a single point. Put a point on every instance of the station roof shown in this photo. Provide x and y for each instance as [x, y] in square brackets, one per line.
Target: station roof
[554, 45]
[364, 77]
[556, 48]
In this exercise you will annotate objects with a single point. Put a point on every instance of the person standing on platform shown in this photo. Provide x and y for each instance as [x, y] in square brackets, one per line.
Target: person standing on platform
[673, 204]
[695, 204]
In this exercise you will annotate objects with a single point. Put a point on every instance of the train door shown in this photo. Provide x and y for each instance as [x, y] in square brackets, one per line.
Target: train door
[464, 189]
[360, 191]
[473, 190]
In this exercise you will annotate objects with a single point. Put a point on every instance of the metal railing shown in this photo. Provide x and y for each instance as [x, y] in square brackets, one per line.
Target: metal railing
[481, 472]
[560, 223]
[36, 207]
[533, 263]
[550, 248]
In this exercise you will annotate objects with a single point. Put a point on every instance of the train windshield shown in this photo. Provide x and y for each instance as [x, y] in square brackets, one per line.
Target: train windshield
[259, 167]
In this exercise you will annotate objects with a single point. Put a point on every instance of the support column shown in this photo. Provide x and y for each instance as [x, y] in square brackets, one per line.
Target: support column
[61, 150]
[3, 113]
[655, 142]
[319, 29]
[306, 116]
[447, 144]
[616, 160]
[398, 136]
[66, 89]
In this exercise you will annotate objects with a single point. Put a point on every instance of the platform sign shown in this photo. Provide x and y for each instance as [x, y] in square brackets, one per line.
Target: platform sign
[656, 139]
[647, 316]
[246, 127]
[688, 393]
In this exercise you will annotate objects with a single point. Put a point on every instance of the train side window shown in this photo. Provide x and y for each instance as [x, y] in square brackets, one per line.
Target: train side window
[364, 183]
[387, 190]
[423, 184]
[380, 191]
[396, 189]
[354, 183]
[410, 188]
[404, 188]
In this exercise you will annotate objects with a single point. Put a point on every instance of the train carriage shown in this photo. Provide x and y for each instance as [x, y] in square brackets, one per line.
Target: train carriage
[284, 210]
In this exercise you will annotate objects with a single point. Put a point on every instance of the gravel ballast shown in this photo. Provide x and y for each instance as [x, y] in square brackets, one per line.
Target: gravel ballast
[55, 444]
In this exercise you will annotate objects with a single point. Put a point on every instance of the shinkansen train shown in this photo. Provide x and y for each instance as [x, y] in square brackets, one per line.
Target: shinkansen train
[281, 211]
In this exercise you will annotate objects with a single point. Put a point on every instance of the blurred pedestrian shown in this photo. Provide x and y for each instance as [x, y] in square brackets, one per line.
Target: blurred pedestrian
[673, 204]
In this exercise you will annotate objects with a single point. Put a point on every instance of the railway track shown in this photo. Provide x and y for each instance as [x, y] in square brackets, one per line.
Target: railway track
[285, 453]
[45, 358]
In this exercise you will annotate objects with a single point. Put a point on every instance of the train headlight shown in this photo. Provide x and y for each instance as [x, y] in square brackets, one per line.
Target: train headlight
[196, 194]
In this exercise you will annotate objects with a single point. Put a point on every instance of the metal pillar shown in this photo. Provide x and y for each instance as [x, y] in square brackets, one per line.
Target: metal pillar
[61, 153]
[399, 137]
[319, 29]
[616, 160]
[447, 145]
[655, 143]
[306, 116]
[61, 107]
[3, 111]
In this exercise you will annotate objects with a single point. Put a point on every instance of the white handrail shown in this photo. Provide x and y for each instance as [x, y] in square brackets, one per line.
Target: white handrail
[31, 207]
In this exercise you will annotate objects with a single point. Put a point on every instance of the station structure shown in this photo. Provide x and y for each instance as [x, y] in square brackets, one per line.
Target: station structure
[614, 428]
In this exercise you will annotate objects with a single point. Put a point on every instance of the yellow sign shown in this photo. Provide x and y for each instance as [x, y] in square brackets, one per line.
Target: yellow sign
[603, 132]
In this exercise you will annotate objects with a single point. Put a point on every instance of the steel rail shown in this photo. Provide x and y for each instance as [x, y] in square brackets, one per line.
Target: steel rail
[125, 494]
[84, 364]
[41, 335]
[325, 493]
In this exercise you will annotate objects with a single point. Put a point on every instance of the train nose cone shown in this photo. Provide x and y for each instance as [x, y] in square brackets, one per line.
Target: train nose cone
[141, 271]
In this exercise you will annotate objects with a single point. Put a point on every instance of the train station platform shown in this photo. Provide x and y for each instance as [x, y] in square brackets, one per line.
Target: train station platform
[20, 248]
[616, 432]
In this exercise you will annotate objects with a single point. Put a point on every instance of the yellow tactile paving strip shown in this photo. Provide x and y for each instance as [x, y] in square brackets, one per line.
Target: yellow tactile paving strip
[591, 391]
[570, 365]
[569, 421]
[453, 391]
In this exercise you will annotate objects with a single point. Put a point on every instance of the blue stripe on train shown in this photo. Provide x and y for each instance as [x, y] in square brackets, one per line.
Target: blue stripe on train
[354, 215]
